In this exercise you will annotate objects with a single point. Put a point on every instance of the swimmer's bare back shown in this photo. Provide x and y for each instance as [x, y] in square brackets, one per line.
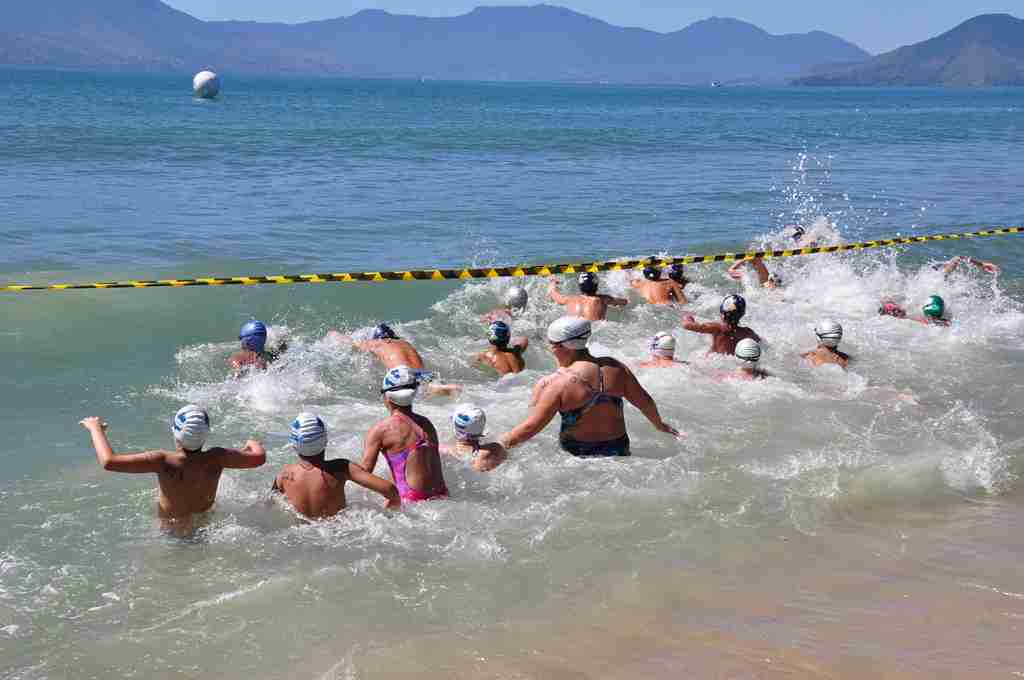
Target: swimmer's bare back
[392, 353]
[187, 480]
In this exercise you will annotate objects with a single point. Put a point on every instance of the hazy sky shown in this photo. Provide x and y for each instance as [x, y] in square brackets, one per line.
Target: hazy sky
[875, 25]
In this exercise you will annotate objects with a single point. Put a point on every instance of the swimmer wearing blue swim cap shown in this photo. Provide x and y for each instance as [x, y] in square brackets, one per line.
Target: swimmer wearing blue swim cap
[254, 352]
[505, 354]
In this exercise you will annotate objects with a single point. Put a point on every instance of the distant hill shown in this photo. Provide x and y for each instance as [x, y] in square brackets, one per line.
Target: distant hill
[541, 42]
[985, 50]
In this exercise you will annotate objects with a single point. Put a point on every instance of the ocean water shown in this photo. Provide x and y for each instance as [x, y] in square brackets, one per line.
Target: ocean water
[817, 524]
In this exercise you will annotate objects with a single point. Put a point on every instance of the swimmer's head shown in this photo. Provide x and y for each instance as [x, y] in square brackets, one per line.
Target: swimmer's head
[191, 427]
[934, 308]
[652, 273]
[308, 436]
[253, 336]
[890, 308]
[733, 308]
[569, 332]
[469, 422]
[587, 282]
[774, 281]
[517, 298]
[829, 333]
[663, 345]
[400, 385]
[748, 350]
[384, 332]
[797, 233]
[499, 334]
[676, 273]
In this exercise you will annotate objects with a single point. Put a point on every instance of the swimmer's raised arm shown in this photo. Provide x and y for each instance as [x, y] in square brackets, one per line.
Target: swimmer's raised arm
[147, 461]
[374, 483]
[554, 293]
[252, 455]
[691, 324]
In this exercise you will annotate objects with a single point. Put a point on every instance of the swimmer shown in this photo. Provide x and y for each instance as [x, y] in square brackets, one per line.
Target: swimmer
[588, 305]
[393, 351]
[316, 487]
[407, 440]
[769, 281]
[469, 421]
[187, 477]
[516, 300]
[253, 354]
[748, 351]
[506, 353]
[588, 393]
[663, 351]
[950, 266]
[934, 312]
[656, 290]
[798, 234]
[727, 332]
[829, 335]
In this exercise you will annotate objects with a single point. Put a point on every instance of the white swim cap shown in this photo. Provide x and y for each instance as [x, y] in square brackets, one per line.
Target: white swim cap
[748, 349]
[663, 345]
[829, 332]
[308, 435]
[570, 332]
[469, 420]
[400, 385]
[191, 427]
[517, 297]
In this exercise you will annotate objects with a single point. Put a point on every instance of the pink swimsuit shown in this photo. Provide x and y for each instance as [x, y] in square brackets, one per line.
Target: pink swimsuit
[396, 461]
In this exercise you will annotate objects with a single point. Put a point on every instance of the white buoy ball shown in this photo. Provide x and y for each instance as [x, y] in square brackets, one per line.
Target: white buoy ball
[206, 84]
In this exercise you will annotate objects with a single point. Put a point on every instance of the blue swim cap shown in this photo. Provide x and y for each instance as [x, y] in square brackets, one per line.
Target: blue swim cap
[499, 333]
[384, 332]
[253, 336]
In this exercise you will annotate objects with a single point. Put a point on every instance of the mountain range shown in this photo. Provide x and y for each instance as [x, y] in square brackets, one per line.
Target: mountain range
[985, 50]
[520, 43]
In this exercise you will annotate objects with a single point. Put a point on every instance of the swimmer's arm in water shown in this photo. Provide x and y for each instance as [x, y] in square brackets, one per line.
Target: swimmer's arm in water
[489, 457]
[147, 461]
[374, 483]
[709, 327]
[554, 293]
[252, 455]
[639, 397]
[543, 407]
[950, 266]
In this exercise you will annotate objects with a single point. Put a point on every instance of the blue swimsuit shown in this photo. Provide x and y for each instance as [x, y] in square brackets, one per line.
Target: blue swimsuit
[614, 447]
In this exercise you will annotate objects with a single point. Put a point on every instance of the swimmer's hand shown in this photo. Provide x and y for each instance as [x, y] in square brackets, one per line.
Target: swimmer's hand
[93, 423]
[990, 267]
[254, 446]
[393, 503]
[668, 429]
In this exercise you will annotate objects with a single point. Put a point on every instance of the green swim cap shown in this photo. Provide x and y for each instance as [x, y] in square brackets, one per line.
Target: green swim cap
[935, 307]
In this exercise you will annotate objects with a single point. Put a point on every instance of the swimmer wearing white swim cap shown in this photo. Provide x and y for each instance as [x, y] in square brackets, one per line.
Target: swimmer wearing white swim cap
[314, 486]
[187, 477]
